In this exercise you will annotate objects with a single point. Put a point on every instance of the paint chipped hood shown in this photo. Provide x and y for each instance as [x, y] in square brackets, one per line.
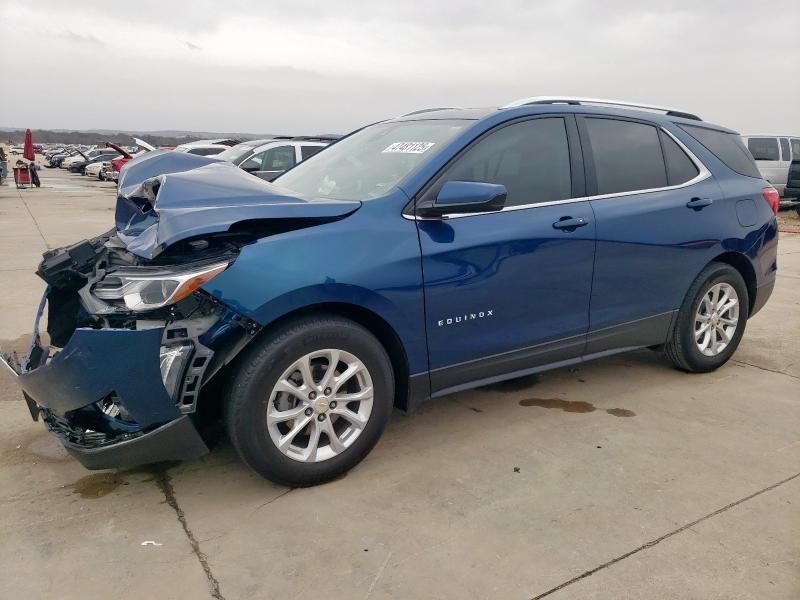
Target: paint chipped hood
[165, 197]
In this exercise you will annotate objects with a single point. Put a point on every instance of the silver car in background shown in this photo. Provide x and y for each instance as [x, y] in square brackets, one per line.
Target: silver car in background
[773, 154]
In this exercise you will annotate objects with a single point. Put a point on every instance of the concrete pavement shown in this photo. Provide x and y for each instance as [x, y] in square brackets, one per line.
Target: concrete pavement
[620, 479]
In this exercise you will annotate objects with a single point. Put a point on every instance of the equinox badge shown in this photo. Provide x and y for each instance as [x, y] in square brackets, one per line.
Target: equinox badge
[466, 317]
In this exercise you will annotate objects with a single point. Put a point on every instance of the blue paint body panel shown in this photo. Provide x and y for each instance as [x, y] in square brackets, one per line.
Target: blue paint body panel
[547, 295]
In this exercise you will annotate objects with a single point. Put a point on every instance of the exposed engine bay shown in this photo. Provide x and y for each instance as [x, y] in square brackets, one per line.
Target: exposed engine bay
[131, 344]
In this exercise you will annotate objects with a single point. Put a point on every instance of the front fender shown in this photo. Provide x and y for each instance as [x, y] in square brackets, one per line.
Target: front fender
[370, 260]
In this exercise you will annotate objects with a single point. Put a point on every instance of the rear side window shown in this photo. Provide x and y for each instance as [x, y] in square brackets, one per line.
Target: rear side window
[680, 167]
[786, 153]
[531, 159]
[764, 148]
[727, 147]
[795, 149]
[627, 156]
[308, 151]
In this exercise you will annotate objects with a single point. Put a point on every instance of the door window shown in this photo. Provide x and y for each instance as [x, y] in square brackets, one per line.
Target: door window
[279, 158]
[786, 153]
[795, 148]
[680, 167]
[764, 148]
[531, 159]
[627, 156]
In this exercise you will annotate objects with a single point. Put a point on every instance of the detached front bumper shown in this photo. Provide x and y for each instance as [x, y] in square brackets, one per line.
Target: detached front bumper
[97, 370]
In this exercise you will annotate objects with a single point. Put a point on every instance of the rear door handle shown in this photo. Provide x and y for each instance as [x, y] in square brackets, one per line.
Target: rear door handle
[570, 223]
[698, 203]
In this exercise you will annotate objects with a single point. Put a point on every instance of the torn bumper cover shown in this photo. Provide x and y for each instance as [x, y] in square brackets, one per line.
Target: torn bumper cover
[104, 396]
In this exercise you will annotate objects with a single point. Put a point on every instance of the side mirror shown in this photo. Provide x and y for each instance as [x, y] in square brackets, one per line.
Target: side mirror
[250, 166]
[466, 197]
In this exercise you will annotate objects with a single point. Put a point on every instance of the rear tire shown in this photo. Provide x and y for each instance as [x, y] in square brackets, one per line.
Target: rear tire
[711, 320]
[286, 373]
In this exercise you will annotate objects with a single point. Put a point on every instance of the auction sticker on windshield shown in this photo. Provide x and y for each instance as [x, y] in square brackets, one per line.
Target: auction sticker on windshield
[408, 147]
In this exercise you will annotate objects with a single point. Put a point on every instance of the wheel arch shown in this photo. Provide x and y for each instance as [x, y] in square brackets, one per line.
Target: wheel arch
[742, 264]
[373, 323]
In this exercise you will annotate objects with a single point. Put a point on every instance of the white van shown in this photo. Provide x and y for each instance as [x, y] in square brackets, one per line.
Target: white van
[773, 154]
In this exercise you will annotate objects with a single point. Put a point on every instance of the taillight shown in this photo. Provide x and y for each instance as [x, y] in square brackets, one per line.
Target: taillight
[772, 197]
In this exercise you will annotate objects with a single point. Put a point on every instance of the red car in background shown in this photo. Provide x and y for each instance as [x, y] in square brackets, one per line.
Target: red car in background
[110, 171]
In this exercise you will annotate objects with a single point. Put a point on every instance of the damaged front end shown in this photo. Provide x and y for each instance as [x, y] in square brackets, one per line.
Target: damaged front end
[131, 344]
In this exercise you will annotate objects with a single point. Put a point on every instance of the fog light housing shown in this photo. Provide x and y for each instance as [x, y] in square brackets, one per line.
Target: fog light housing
[174, 359]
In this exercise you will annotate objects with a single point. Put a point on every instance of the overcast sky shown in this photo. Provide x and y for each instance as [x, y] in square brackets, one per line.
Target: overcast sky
[302, 66]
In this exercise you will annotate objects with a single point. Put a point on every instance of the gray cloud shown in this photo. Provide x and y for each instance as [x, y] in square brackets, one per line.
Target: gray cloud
[304, 66]
[81, 38]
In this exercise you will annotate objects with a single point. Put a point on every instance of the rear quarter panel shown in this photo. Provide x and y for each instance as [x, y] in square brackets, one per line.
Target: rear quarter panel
[758, 242]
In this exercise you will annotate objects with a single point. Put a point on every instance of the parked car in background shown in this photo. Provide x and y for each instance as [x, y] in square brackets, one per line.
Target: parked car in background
[111, 169]
[94, 169]
[269, 158]
[17, 150]
[773, 155]
[435, 252]
[79, 156]
[103, 155]
[206, 147]
[53, 159]
[793, 180]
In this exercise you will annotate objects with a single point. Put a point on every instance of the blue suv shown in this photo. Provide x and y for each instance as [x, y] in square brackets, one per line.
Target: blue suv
[431, 253]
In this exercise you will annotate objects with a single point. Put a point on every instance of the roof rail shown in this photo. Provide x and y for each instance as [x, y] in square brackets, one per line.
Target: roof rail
[317, 138]
[425, 110]
[577, 100]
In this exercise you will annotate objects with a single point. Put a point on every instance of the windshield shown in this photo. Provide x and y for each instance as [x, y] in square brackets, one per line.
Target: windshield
[372, 161]
[236, 153]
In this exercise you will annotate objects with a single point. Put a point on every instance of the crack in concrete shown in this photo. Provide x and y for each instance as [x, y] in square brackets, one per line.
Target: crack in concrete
[268, 502]
[35, 222]
[658, 540]
[164, 483]
[767, 369]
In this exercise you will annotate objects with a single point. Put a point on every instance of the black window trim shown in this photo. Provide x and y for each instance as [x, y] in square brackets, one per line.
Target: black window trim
[588, 160]
[788, 147]
[581, 163]
[577, 170]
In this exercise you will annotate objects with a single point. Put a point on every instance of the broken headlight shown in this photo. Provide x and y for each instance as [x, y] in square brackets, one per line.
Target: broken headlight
[147, 289]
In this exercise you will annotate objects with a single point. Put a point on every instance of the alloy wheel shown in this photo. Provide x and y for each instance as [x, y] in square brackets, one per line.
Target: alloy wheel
[716, 319]
[320, 405]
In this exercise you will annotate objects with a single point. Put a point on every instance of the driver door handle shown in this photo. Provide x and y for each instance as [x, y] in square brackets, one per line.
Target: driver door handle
[570, 223]
[698, 203]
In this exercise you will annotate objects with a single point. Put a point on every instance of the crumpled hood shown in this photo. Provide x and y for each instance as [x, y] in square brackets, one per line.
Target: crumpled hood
[165, 197]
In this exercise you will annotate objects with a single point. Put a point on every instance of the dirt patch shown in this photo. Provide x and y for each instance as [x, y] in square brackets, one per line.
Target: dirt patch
[96, 485]
[572, 406]
[621, 412]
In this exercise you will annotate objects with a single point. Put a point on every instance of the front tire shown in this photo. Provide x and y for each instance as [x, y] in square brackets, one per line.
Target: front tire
[711, 320]
[310, 401]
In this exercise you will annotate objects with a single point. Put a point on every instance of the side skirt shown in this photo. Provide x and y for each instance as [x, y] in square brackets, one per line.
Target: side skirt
[641, 333]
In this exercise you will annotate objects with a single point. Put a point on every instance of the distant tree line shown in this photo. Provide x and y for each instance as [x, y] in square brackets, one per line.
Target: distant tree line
[46, 136]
